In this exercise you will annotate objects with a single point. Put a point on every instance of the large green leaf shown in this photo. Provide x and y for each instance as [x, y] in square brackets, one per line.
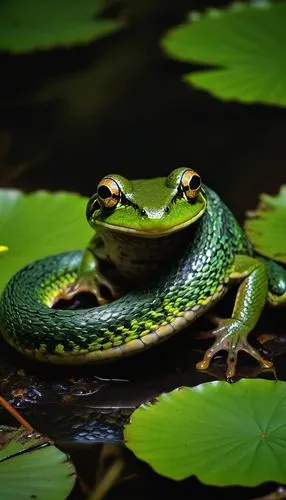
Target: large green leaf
[39, 224]
[223, 433]
[247, 42]
[266, 226]
[30, 24]
[30, 467]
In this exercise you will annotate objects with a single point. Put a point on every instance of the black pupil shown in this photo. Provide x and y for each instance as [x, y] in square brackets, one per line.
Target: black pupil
[104, 192]
[195, 182]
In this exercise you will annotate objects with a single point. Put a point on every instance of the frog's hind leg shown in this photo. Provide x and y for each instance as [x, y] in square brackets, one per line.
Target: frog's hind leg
[276, 283]
[231, 333]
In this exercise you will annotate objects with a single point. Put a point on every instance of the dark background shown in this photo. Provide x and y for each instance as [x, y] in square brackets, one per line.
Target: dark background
[69, 116]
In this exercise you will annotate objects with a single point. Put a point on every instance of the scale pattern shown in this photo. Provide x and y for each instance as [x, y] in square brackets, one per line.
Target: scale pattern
[149, 314]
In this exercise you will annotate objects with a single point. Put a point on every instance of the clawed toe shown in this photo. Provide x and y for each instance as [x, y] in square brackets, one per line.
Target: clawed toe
[231, 337]
[90, 284]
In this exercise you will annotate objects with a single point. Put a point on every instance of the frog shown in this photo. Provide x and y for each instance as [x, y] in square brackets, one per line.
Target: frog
[164, 252]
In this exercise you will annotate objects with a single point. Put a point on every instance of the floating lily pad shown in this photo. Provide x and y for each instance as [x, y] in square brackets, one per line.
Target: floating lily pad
[30, 467]
[30, 25]
[39, 224]
[246, 43]
[266, 226]
[225, 434]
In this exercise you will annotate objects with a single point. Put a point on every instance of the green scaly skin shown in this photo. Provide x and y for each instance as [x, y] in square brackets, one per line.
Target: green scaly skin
[217, 255]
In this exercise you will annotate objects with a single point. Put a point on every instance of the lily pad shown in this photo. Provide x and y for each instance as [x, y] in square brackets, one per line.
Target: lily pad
[30, 25]
[39, 224]
[246, 41]
[266, 226]
[30, 467]
[225, 434]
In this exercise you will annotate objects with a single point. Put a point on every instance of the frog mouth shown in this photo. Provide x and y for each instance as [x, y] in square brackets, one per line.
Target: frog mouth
[150, 232]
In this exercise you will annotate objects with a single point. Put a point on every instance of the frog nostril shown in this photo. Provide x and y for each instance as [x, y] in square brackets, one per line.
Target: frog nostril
[167, 210]
[143, 212]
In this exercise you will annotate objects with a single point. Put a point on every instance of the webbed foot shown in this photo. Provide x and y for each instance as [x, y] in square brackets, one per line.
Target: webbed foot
[231, 335]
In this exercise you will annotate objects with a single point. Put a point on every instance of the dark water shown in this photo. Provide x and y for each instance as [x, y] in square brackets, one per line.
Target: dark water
[85, 409]
[135, 117]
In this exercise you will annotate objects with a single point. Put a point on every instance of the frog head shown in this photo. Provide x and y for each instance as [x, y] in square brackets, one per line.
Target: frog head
[147, 207]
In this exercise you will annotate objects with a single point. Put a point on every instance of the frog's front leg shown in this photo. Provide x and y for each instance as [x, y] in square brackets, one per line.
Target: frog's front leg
[231, 333]
[90, 279]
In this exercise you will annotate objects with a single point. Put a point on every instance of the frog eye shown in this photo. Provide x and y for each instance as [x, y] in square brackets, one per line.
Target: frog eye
[108, 193]
[190, 184]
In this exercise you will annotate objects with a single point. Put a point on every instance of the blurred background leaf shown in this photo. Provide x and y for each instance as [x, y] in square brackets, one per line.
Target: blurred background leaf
[246, 41]
[265, 226]
[37, 225]
[31, 25]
